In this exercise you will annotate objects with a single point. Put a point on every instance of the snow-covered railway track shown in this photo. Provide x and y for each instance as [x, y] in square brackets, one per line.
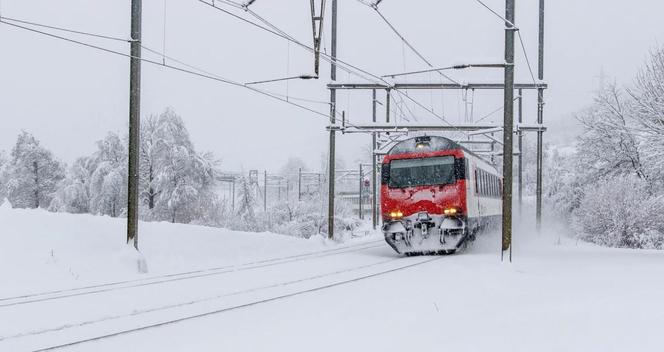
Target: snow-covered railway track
[154, 280]
[155, 317]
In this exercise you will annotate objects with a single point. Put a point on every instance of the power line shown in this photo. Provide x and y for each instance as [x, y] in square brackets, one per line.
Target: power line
[201, 73]
[405, 41]
[278, 32]
[497, 14]
[525, 54]
[518, 32]
[65, 29]
[340, 63]
[493, 112]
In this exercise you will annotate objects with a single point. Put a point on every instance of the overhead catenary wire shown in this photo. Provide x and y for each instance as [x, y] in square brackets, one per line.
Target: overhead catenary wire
[518, 32]
[343, 65]
[192, 69]
[61, 29]
[493, 112]
[405, 41]
[497, 14]
[340, 63]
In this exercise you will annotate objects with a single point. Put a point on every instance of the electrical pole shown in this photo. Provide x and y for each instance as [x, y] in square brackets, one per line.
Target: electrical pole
[333, 110]
[299, 184]
[387, 105]
[374, 166]
[520, 157]
[508, 126]
[265, 191]
[540, 113]
[360, 194]
[134, 122]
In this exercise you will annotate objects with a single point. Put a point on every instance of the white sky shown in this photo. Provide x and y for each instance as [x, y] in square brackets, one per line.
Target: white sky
[70, 96]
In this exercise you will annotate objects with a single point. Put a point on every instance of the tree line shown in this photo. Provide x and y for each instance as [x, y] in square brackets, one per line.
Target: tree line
[177, 184]
[611, 186]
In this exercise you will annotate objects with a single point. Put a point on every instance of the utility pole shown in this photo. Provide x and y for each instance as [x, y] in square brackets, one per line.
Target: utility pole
[520, 151]
[333, 110]
[387, 105]
[508, 127]
[299, 184]
[360, 194]
[540, 113]
[134, 122]
[233, 194]
[265, 191]
[374, 166]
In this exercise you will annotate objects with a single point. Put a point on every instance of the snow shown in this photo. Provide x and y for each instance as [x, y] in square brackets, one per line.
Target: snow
[557, 294]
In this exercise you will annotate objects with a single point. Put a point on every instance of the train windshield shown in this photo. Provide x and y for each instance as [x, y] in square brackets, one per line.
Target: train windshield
[421, 172]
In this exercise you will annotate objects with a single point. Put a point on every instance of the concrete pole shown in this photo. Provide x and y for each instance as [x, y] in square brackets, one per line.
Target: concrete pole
[374, 167]
[540, 114]
[265, 191]
[508, 123]
[387, 105]
[134, 122]
[333, 108]
[233, 195]
[360, 194]
[520, 157]
[299, 184]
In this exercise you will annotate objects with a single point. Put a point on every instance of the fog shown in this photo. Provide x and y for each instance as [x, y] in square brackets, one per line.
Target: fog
[69, 96]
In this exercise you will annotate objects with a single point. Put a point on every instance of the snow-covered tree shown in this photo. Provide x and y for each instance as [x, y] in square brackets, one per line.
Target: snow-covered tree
[621, 212]
[177, 182]
[73, 194]
[609, 144]
[648, 98]
[108, 178]
[3, 175]
[245, 216]
[149, 158]
[33, 174]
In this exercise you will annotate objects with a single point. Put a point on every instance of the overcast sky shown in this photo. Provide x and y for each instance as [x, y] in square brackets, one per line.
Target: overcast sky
[69, 96]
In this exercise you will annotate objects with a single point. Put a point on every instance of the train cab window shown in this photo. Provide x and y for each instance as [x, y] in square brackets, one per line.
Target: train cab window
[421, 172]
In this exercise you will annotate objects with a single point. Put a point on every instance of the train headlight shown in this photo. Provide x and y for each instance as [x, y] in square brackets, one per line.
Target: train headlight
[450, 211]
[422, 142]
[396, 215]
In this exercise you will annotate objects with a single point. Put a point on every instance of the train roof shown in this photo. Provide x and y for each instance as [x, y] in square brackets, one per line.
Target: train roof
[428, 143]
[431, 143]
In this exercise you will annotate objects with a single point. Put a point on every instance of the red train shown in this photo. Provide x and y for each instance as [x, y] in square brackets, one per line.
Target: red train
[436, 195]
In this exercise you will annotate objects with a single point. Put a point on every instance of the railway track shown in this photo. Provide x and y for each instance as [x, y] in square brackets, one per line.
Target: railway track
[161, 279]
[185, 317]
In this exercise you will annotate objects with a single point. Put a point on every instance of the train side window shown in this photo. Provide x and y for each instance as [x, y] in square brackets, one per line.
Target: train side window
[483, 183]
[493, 186]
[477, 184]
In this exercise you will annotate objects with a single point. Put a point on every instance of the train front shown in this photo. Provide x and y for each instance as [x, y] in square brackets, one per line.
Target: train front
[423, 196]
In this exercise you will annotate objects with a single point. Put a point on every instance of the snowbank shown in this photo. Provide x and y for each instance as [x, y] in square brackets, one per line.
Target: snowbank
[43, 250]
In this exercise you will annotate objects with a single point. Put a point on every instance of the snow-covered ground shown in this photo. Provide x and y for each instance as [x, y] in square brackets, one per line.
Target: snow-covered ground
[216, 290]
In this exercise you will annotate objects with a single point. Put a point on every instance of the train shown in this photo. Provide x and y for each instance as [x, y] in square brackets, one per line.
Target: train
[436, 196]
